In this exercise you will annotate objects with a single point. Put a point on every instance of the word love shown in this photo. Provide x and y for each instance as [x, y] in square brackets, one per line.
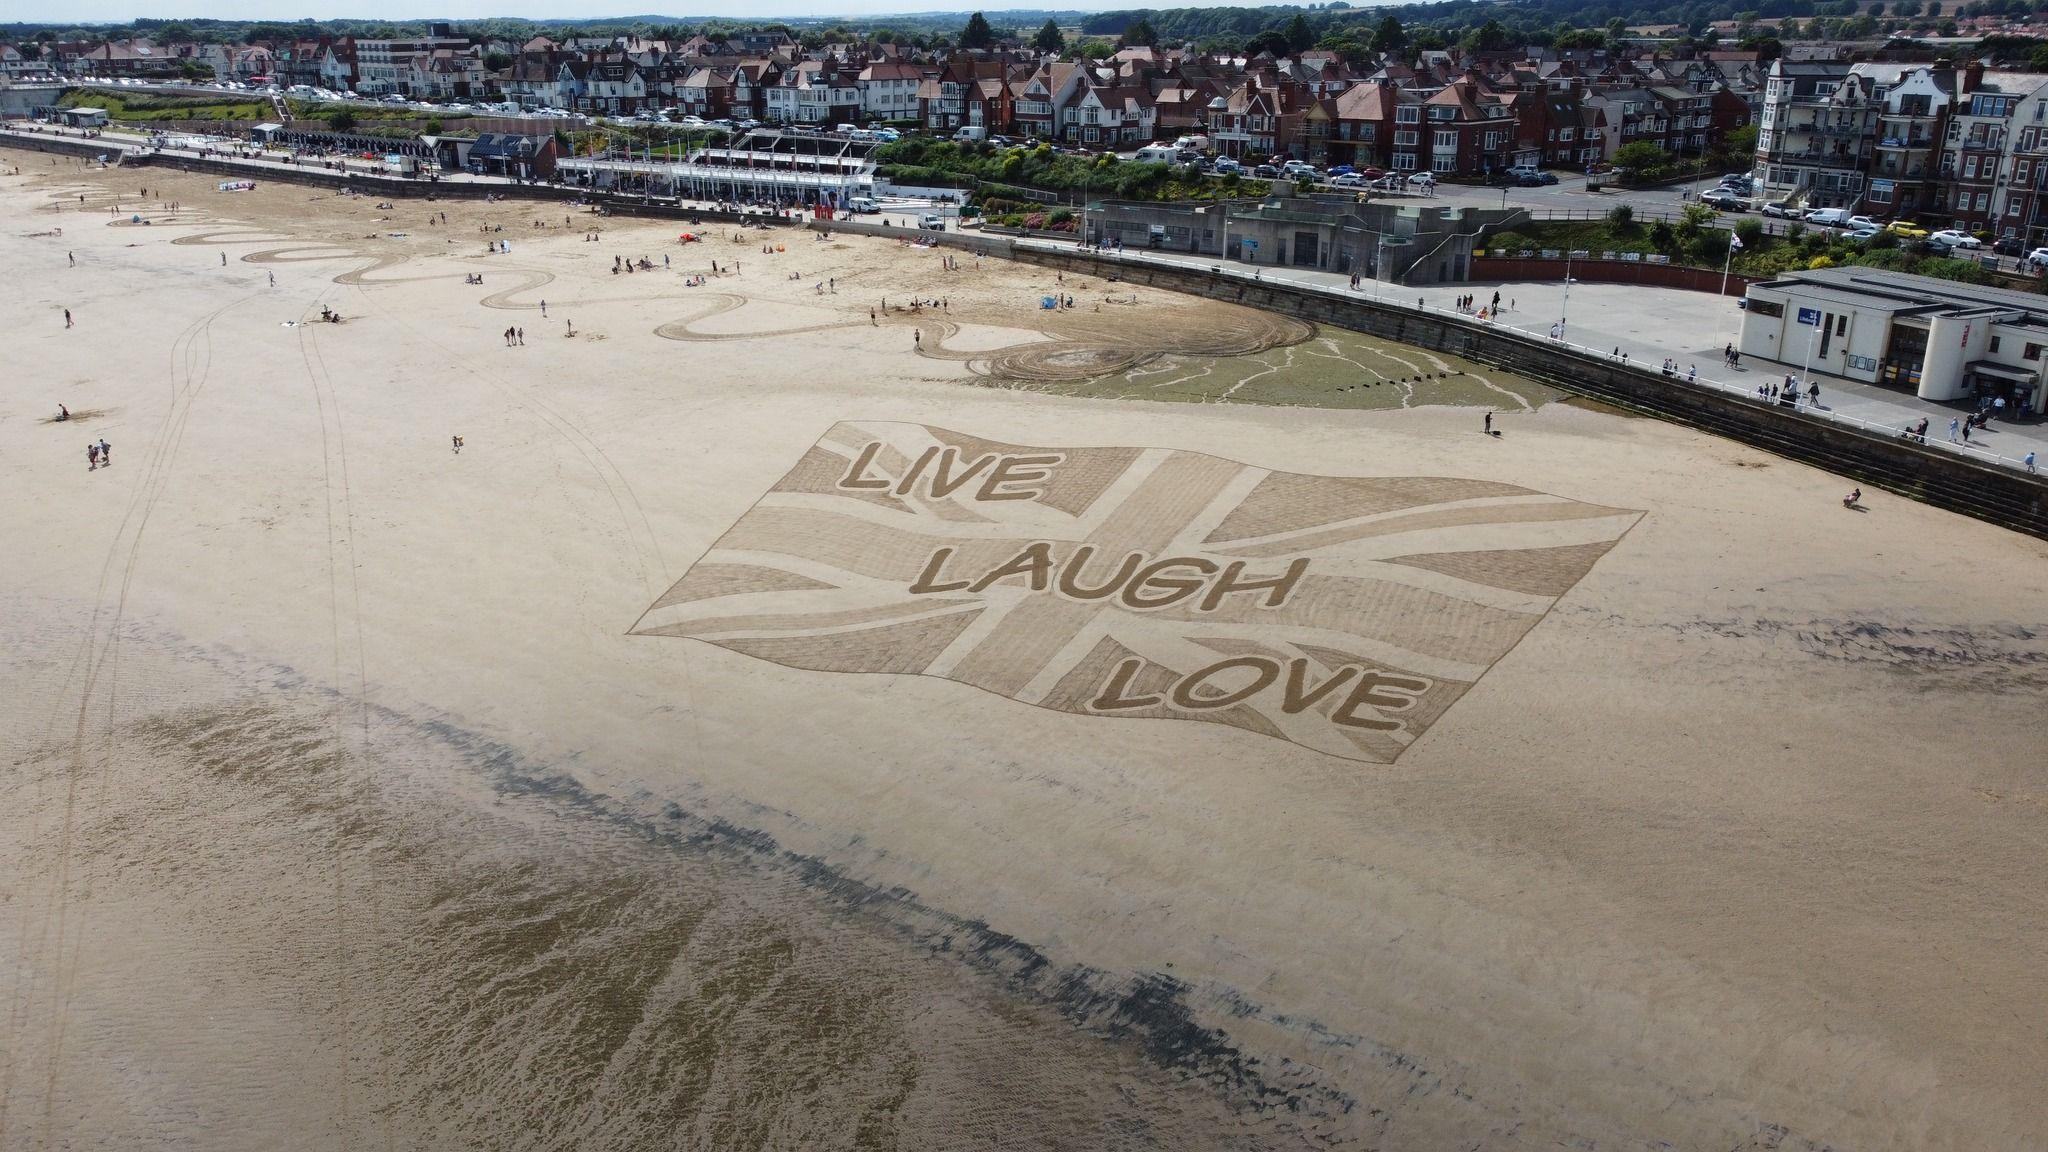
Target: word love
[1138, 581]
[1240, 678]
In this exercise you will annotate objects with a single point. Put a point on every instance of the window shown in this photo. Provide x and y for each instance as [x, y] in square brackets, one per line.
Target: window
[1565, 134]
[1970, 168]
[2012, 208]
[1446, 140]
[1444, 163]
[1442, 113]
[1983, 201]
[1409, 114]
[1407, 139]
[2033, 352]
[2020, 173]
[1994, 345]
[1404, 161]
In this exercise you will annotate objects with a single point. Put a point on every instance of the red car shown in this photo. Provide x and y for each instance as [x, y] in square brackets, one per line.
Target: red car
[1372, 173]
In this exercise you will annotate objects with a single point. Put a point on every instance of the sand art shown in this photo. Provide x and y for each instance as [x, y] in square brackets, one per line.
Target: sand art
[1342, 613]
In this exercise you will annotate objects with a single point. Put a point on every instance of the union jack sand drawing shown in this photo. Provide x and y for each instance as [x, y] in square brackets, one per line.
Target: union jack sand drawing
[1342, 613]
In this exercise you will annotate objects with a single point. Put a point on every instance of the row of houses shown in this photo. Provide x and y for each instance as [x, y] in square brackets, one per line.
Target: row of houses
[1445, 112]
[1962, 147]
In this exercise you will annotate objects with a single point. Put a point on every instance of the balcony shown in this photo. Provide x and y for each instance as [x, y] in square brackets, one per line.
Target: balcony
[1906, 143]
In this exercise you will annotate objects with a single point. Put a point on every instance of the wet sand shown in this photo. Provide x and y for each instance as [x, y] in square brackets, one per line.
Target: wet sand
[342, 807]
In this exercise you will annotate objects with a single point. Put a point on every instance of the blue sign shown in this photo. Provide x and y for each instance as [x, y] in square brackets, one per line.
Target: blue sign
[1809, 316]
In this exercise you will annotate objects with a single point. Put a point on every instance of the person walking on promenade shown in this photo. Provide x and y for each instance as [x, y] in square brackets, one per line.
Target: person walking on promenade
[2028, 460]
[1952, 424]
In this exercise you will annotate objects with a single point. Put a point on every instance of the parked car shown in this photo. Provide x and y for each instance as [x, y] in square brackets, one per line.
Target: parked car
[1341, 170]
[2006, 245]
[1423, 180]
[1348, 180]
[1522, 172]
[2038, 258]
[1266, 172]
[932, 221]
[1856, 222]
[1907, 229]
[1372, 173]
[1828, 217]
[1862, 235]
[1781, 211]
[1955, 238]
[1725, 200]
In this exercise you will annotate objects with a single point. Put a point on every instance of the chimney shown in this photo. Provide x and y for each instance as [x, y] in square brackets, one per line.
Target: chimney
[1973, 74]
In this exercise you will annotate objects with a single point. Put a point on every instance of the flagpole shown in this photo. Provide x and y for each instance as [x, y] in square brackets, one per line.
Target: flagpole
[1734, 242]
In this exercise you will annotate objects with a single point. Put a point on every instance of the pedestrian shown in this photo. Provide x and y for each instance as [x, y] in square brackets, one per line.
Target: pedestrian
[1966, 432]
[223, 259]
[106, 454]
[92, 456]
[1511, 304]
[872, 320]
[521, 332]
[1692, 373]
[273, 279]
[543, 309]
[917, 338]
[2028, 460]
[67, 317]
[455, 442]
[73, 257]
[1813, 393]
[1488, 425]
[1953, 423]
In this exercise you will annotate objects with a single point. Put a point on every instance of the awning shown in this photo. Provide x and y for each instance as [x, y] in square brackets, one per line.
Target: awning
[2002, 371]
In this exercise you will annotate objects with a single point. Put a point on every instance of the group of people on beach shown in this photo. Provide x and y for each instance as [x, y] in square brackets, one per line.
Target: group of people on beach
[515, 337]
[100, 455]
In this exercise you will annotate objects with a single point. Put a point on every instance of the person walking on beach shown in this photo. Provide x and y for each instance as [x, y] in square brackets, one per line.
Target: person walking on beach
[917, 338]
[223, 259]
[1487, 427]
[273, 279]
[92, 456]
[73, 257]
[106, 454]
[67, 317]
[543, 309]
[521, 334]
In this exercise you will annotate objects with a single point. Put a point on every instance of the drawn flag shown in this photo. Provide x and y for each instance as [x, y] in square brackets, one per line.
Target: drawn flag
[1341, 613]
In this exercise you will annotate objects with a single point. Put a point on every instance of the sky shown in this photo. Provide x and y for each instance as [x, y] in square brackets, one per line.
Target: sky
[117, 11]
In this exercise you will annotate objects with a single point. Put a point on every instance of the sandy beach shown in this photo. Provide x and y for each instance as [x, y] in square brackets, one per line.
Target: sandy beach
[642, 775]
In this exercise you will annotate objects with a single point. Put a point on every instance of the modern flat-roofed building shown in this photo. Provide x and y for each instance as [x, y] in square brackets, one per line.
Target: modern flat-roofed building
[1938, 339]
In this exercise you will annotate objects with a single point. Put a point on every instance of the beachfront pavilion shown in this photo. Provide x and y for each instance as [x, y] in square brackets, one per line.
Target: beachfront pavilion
[1939, 339]
[761, 166]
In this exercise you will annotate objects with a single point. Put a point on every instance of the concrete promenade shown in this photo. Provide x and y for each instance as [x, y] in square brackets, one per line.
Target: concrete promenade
[1650, 325]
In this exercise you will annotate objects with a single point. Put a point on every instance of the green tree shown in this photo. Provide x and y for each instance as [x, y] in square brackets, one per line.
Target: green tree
[1050, 38]
[1139, 33]
[977, 35]
[1097, 50]
[1488, 37]
[1643, 159]
[1299, 35]
[1389, 37]
[497, 61]
[342, 120]
[1271, 40]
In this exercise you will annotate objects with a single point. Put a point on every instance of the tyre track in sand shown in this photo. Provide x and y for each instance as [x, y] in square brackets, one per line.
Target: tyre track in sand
[94, 671]
[342, 566]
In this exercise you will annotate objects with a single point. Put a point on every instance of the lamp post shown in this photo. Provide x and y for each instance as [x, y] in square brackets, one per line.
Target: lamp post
[1564, 309]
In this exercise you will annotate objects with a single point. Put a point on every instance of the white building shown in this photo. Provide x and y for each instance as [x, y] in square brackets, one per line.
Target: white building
[384, 66]
[1938, 339]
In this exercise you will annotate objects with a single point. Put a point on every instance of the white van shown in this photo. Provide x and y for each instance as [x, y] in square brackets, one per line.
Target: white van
[1829, 217]
[970, 134]
[864, 204]
[1157, 154]
[932, 221]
